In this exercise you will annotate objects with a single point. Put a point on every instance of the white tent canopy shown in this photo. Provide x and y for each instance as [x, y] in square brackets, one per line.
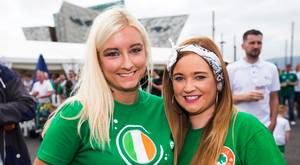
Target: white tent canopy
[58, 55]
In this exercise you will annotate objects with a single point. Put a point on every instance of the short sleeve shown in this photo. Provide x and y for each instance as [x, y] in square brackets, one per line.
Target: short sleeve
[295, 78]
[230, 74]
[261, 149]
[49, 86]
[34, 88]
[61, 141]
[60, 89]
[287, 126]
[275, 84]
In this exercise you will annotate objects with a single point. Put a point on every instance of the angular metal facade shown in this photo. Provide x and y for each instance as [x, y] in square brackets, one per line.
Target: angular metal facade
[72, 24]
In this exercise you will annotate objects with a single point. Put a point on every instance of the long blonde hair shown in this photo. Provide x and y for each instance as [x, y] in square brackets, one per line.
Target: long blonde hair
[215, 131]
[93, 90]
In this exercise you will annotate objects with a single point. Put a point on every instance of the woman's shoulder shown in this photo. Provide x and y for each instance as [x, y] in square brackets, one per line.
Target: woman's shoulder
[247, 121]
[152, 103]
[241, 116]
[148, 97]
[71, 109]
[248, 129]
[254, 143]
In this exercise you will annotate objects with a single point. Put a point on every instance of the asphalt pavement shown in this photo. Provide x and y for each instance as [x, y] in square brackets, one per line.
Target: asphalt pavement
[292, 154]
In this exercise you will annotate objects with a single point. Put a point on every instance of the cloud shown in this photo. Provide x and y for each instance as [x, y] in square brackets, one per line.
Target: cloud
[232, 18]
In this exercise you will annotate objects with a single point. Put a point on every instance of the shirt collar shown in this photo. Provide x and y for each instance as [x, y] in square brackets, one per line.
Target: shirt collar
[258, 63]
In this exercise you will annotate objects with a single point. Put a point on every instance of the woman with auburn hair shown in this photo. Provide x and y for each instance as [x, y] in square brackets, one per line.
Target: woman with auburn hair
[110, 120]
[207, 129]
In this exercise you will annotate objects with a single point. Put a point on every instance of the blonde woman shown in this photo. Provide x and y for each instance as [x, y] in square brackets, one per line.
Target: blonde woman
[110, 120]
[207, 129]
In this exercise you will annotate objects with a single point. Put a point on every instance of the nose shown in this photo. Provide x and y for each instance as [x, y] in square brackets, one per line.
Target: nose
[127, 61]
[189, 86]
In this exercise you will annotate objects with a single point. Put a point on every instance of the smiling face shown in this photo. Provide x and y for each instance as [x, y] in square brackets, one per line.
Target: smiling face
[194, 84]
[123, 59]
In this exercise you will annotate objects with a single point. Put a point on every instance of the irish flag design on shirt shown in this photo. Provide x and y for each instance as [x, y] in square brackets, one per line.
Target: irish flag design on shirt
[135, 146]
[139, 146]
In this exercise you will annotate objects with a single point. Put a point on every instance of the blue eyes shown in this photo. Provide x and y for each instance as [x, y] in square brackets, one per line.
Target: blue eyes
[115, 53]
[181, 78]
[199, 77]
[178, 78]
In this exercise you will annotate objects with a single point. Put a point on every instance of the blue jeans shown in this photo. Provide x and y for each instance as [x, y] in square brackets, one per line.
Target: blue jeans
[290, 99]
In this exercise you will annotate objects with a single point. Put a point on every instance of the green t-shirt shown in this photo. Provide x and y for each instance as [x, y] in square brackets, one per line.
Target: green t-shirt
[284, 78]
[251, 144]
[139, 134]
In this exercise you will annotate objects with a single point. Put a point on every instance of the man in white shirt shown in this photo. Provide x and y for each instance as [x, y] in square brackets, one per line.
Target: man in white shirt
[42, 89]
[255, 82]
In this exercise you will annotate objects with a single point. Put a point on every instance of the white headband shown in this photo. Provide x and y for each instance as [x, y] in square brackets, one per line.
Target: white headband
[210, 57]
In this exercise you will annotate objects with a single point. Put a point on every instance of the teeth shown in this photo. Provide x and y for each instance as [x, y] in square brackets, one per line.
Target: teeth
[191, 97]
[126, 74]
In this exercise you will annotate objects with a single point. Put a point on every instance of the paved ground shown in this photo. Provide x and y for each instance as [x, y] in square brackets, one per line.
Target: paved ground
[292, 149]
[32, 145]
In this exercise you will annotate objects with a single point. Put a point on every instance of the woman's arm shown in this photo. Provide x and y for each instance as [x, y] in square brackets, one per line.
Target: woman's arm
[37, 161]
[61, 141]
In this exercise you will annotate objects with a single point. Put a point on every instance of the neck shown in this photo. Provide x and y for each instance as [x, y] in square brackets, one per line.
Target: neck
[251, 59]
[201, 120]
[125, 97]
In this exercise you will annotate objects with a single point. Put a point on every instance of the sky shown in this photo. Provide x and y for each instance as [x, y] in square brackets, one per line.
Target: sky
[232, 19]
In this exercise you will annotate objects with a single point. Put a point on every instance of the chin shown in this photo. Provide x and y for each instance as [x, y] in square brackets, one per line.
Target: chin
[130, 87]
[192, 109]
[255, 54]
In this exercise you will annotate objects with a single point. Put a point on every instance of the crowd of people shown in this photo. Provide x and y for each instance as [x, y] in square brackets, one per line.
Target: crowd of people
[201, 111]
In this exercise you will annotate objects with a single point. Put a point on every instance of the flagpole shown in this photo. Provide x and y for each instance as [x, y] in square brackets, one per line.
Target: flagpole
[292, 43]
[213, 25]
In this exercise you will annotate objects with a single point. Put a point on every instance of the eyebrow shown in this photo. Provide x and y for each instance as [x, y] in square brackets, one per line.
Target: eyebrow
[200, 72]
[194, 73]
[110, 49]
[113, 49]
[255, 42]
[137, 44]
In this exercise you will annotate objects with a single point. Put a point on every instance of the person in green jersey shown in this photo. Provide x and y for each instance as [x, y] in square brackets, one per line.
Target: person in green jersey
[288, 81]
[110, 120]
[207, 129]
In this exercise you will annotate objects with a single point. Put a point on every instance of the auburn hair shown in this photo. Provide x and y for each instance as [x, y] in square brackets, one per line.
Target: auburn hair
[215, 132]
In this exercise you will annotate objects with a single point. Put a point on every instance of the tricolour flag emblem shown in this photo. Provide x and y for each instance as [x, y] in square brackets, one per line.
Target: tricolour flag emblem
[138, 146]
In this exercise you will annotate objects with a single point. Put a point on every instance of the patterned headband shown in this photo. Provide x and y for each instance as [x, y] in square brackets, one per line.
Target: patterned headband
[210, 57]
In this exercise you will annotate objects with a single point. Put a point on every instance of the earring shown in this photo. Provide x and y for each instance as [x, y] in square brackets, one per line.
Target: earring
[219, 86]
[217, 97]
